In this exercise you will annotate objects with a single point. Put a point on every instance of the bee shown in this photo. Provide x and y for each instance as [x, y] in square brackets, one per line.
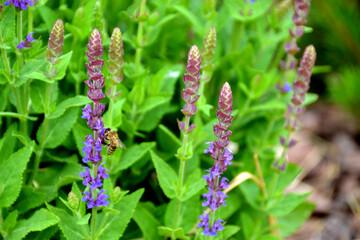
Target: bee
[113, 141]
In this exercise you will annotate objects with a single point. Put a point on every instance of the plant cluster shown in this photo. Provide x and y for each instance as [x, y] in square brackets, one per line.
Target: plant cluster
[67, 108]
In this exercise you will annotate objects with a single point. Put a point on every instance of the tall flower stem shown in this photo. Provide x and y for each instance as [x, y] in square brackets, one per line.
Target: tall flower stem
[94, 209]
[271, 219]
[140, 37]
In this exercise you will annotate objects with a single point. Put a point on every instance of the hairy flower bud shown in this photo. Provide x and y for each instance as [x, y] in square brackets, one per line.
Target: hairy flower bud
[96, 80]
[191, 81]
[73, 200]
[208, 51]
[301, 84]
[55, 43]
[115, 62]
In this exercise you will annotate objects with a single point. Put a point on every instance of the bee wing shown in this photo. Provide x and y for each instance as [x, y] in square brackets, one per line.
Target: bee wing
[120, 143]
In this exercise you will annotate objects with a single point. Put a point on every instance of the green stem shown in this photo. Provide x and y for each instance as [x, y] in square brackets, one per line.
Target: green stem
[30, 19]
[140, 37]
[43, 135]
[182, 168]
[102, 225]
[94, 209]
[238, 29]
[111, 103]
[19, 38]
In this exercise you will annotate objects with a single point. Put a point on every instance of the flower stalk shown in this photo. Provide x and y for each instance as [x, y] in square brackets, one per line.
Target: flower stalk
[301, 10]
[295, 108]
[222, 158]
[190, 96]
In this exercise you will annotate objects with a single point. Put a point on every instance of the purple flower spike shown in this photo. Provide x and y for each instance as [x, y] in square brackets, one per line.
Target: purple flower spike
[301, 86]
[222, 158]
[29, 39]
[92, 114]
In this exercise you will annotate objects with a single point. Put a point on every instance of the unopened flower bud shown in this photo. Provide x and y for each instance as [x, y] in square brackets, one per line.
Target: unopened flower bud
[208, 51]
[55, 43]
[73, 200]
[116, 52]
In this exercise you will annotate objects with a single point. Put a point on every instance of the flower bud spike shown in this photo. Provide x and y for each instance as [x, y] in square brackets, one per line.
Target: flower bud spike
[115, 62]
[55, 43]
[208, 51]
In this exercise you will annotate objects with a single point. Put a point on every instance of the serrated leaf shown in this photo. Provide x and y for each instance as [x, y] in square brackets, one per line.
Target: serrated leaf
[80, 132]
[39, 221]
[188, 213]
[40, 76]
[62, 65]
[285, 205]
[57, 129]
[7, 26]
[167, 177]
[7, 143]
[68, 226]
[116, 115]
[38, 94]
[167, 139]
[11, 175]
[84, 220]
[116, 224]
[10, 220]
[152, 102]
[68, 103]
[227, 232]
[177, 233]
[29, 199]
[291, 222]
[132, 155]
[29, 67]
[147, 223]
[193, 185]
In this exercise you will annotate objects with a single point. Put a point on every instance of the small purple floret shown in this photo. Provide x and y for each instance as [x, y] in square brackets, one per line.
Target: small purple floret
[27, 42]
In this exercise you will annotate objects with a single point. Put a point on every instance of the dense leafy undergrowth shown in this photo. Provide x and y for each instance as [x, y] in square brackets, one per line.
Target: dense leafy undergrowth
[170, 79]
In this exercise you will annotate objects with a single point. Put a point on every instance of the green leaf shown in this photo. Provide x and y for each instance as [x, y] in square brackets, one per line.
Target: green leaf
[257, 9]
[152, 102]
[167, 177]
[132, 155]
[11, 175]
[285, 205]
[48, 16]
[228, 231]
[40, 76]
[167, 139]
[38, 95]
[292, 222]
[116, 115]
[80, 132]
[10, 220]
[169, 232]
[188, 213]
[68, 103]
[22, 137]
[269, 237]
[196, 24]
[57, 129]
[7, 26]
[28, 199]
[39, 221]
[147, 223]
[193, 185]
[84, 220]
[311, 98]
[68, 224]
[17, 115]
[29, 67]
[62, 65]
[7, 143]
[116, 224]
